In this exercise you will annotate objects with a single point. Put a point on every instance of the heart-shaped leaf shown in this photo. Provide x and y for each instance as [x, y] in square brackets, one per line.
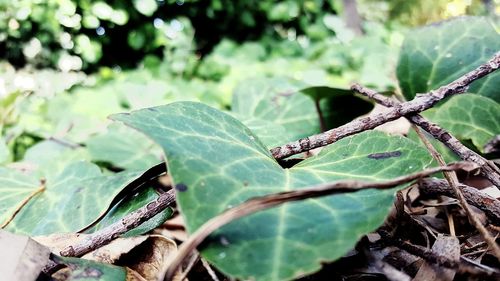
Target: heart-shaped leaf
[439, 53]
[64, 203]
[216, 163]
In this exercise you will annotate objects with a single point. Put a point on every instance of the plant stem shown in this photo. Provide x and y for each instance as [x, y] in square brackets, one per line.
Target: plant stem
[488, 169]
[419, 104]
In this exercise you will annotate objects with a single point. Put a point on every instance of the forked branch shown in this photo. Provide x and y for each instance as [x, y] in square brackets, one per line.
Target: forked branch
[419, 104]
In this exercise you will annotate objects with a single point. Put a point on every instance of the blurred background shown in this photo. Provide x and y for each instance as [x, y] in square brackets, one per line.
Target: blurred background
[66, 65]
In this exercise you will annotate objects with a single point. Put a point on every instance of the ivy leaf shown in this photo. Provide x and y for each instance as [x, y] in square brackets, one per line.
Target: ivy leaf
[469, 117]
[87, 270]
[289, 108]
[48, 157]
[437, 54]
[129, 205]
[276, 101]
[64, 203]
[124, 148]
[216, 163]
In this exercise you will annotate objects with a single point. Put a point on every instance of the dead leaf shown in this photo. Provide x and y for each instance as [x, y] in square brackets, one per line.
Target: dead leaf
[116, 249]
[148, 257]
[22, 258]
[447, 246]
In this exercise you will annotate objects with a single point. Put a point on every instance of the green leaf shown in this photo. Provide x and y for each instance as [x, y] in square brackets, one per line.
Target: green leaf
[87, 270]
[216, 163]
[48, 158]
[288, 107]
[275, 101]
[469, 117]
[437, 54]
[15, 186]
[66, 202]
[124, 148]
[131, 204]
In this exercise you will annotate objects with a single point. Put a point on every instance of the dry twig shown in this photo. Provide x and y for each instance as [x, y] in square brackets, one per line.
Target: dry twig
[488, 168]
[113, 231]
[450, 176]
[419, 104]
[489, 205]
[438, 259]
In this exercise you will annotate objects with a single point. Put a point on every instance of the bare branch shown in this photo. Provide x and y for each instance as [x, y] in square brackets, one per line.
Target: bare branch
[113, 231]
[488, 169]
[450, 176]
[489, 205]
[437, 258]
[419, 104]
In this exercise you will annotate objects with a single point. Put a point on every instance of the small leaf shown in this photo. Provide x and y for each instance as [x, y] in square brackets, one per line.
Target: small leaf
[86, 270]
[322, 92]
[469, 117]
[437, 54]
[338, 106]
[220, 163]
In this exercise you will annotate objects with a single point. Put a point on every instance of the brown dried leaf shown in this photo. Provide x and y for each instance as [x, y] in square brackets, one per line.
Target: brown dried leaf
[22, 258]
[148, 257]
[447, 246]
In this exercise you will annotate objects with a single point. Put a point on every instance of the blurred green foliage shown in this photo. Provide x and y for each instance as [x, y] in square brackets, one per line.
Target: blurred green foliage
[86, 34]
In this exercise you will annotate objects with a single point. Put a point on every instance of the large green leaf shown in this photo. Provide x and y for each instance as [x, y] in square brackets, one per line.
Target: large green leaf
[469, 117]
[437, 54]
[15, 186]
[68, 202]
[216, 163]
